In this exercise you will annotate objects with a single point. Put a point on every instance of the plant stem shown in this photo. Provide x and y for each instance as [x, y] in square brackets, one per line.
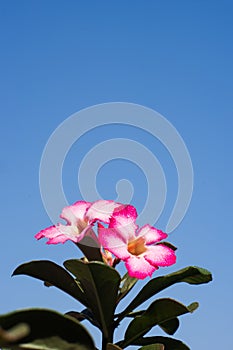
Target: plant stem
[105, 340]
[104, 343]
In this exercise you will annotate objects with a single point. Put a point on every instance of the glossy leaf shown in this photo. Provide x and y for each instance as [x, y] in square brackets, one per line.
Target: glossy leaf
[153, 347]
[169, 343]
[158, 312]
[84, 315]
[135, 313]
[100, 284]
[54, 275]
[167, 244]
[48, 330]
[191, 275]
[170, 326]
[127, 284]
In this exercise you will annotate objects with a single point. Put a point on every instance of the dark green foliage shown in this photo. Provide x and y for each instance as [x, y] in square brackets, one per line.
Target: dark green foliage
[160, 311]
[99, 288]
[53, 274]
[191, 275]
[47, 329]
[100, 284]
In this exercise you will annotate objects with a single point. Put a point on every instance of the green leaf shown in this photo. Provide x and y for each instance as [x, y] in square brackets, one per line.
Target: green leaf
[127, 284]
[158, 312]
[167, 244]
[135, 313]
[152, 347]
[90, 248]
[191, 275]
[47, 330]
[170, 326]
[170, 343]
[52, 274]
[100, 284]
[84, 315]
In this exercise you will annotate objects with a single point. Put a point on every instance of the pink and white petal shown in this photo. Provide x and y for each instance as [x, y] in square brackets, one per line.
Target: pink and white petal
[124, 222]
[151, 234]
[67, 230]
[49, 232]
[113, 242]
[72, 232]
[127, 211]
[120, 252]
[53, 234]
[138, 267]
[58, 239]
[126, 229]
[75, 212]
[160, 255]
[101, 210]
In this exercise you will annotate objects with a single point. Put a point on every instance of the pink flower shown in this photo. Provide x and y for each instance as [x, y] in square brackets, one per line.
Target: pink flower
[79, 217]
[135, 246]
[102, 210]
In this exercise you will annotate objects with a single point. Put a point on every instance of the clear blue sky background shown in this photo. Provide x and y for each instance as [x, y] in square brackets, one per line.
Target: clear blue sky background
[58, 57]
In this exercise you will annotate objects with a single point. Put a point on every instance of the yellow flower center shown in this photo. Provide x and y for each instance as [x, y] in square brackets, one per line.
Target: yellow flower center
[137, 246]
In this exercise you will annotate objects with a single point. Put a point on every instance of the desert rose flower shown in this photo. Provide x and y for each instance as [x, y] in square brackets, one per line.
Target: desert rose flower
[79, 217]
[102, 210]
[136, 247]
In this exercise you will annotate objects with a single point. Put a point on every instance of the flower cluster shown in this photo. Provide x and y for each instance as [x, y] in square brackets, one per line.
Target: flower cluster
[118, 233]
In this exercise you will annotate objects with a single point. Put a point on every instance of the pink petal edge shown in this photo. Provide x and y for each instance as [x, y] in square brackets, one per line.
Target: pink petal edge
[48, 232]
[128, 212]
[139, 268]
[160, 255]
[151, 234]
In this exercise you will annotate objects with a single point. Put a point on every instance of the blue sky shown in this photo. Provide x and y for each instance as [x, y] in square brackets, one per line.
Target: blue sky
[58, 57]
